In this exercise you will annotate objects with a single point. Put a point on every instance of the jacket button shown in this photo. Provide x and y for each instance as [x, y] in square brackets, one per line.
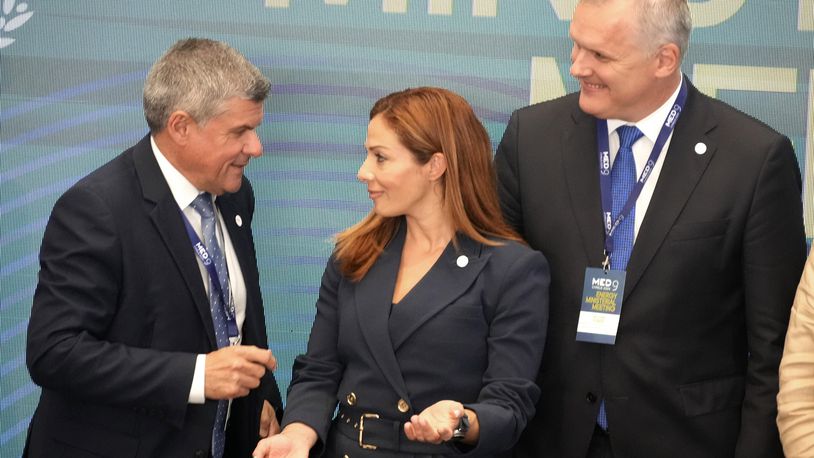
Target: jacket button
[590, 397]
[351, 398]
[403, 406]
[200, 453]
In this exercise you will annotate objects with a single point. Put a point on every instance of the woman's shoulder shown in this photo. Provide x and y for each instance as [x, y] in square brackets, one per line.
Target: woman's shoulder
[511, 251]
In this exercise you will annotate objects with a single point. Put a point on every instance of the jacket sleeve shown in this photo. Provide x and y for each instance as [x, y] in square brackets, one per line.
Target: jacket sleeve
[76, 300]
[517, 333]
[773, 257]
[508, 184]
[316, 374]
[795, 401]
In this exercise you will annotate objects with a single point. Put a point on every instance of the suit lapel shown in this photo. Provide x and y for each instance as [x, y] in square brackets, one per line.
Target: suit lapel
[167, 219]
[679, 176]
[445, 282]
[581, 172]
[373, 296]
[242, 244]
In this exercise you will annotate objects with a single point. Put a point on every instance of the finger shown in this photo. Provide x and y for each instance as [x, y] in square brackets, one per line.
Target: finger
[418, 431]
[259, 355]
[445, 433]
[433, 433]
[409, 431]
[428, 433]
[262, 449]
[274, 426]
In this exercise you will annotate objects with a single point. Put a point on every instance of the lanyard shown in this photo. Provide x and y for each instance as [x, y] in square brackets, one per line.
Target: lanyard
[605, 170]
[206, 259]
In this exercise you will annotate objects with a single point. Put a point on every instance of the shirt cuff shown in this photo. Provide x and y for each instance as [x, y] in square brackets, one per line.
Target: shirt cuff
[197, 392]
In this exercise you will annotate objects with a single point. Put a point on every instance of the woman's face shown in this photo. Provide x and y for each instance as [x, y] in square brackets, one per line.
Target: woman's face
[396, 182]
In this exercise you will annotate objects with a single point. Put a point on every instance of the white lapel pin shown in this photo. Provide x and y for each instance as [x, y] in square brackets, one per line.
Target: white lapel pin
[238, 220]
[462, 261]
[700, 148]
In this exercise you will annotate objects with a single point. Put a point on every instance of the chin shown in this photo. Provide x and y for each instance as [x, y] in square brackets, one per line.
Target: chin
[588, 106]
[233, 187]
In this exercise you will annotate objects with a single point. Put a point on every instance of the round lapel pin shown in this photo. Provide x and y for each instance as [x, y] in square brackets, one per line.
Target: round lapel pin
[238, 220]
[462, 261]
[700, 148]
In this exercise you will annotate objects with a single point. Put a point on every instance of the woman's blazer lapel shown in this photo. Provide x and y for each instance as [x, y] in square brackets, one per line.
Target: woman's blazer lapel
[442, 285]
[447, 280]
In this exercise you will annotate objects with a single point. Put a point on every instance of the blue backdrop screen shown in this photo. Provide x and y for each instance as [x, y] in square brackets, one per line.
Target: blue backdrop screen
[71, 75]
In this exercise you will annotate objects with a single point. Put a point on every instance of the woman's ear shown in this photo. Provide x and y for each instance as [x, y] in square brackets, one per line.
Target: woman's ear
[438, 166]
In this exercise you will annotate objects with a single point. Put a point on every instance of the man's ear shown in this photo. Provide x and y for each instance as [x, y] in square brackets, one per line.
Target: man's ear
[669, 60]
[179, 127]
[438, 166]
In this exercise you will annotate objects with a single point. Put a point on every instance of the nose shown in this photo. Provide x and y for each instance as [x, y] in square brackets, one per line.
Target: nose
[364, 174]
[253, 147]
[578, 69]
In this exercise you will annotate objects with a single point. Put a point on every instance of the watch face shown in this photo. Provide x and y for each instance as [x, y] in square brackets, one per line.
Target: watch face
[463, 427]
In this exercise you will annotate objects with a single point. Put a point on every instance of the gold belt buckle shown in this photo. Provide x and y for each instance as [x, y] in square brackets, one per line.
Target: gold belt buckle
[362, 431]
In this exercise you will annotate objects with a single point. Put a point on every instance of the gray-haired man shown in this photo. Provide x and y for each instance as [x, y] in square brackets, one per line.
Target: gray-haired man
[142, 344]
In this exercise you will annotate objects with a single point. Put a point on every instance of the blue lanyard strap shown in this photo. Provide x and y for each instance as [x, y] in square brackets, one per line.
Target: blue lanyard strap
[602, 135]
[227, 304]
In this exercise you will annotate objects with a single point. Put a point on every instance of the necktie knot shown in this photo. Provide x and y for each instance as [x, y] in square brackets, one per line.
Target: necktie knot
[203, 205]
[628, 135]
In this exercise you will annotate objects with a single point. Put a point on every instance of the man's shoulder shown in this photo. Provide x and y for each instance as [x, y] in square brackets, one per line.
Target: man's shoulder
[111, 181]
[558, 107]
[730, 117]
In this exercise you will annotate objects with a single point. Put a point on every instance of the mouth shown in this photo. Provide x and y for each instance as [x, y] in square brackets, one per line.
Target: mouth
[592, 86]
[374, 194]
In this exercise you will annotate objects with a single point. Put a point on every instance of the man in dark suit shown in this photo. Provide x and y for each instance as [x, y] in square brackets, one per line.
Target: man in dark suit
[716, 248]
[147, 332]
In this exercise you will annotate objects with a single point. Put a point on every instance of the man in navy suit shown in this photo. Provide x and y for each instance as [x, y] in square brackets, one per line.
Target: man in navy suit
[716, 248]
[125, 333]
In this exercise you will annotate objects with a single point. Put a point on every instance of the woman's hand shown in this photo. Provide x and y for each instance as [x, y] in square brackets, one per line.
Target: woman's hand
[295, 441]
[436, 423]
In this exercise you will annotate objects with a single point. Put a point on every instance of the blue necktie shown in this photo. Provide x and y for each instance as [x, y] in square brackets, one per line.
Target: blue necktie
[203, 205]
[623, 178]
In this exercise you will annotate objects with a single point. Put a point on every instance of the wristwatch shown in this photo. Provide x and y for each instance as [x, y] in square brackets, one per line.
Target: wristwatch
[463, 426]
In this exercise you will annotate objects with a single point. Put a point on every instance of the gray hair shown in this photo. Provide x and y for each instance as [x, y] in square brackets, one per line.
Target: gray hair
[665, 21]
[198, 75]
[661, 22]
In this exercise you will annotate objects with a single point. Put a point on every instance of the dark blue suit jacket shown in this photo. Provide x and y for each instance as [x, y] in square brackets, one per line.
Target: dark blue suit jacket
[709, 283]
[120, 313]
[473, 334]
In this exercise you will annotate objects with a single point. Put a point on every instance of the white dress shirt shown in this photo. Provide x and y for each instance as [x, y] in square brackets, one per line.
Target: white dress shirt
[650, 127]
[184, 193]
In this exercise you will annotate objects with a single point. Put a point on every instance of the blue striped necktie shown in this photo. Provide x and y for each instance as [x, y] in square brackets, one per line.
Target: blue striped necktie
[623, 178]
[203, 205]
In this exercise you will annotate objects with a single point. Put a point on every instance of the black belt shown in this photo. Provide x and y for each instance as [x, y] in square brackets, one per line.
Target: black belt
[373, 432]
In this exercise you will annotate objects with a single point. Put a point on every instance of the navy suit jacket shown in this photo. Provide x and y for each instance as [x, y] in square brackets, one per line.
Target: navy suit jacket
[473, 334]
[119, 315]
[709, 284]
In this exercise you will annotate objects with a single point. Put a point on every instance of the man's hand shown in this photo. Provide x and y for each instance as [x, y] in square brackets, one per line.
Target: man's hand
[295, 441]
[232, 371]
[268, 421]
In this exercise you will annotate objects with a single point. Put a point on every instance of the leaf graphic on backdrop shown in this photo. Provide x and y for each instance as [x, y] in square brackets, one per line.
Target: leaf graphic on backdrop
[8, 5]
[2, 22]
[18, 21]
[5, 41]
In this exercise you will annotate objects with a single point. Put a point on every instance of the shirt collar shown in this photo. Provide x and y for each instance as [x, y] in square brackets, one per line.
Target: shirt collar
[182, 190]
[651, 124]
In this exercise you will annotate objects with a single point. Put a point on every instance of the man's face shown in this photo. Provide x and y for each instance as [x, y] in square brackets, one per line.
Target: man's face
[614, 66]
[219, 150]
